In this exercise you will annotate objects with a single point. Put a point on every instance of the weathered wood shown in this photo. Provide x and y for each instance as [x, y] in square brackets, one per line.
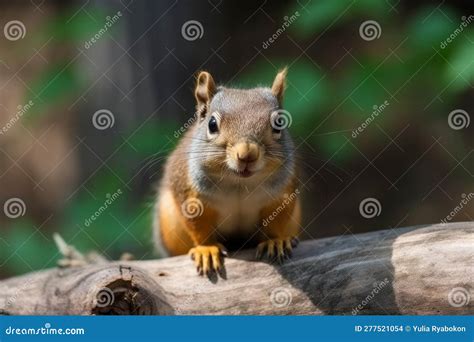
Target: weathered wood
[415, 270]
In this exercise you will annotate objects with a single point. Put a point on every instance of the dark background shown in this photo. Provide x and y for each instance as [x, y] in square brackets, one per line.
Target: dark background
[142, 70]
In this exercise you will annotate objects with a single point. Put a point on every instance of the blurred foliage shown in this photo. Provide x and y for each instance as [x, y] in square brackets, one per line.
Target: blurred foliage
[375, 75]
[57, 83]
[318, 16]
[310, 97]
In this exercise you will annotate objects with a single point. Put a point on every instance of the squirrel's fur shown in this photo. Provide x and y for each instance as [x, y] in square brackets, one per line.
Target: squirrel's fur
[229, 181]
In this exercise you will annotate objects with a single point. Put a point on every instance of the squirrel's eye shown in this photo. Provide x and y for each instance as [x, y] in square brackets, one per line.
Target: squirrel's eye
[213, 128]
[277, 122]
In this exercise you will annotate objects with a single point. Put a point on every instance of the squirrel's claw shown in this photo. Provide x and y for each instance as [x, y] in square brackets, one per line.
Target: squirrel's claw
[208, 259]
[276, 249]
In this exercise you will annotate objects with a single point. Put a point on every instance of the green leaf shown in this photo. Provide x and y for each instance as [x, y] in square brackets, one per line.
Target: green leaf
[429, 27]
[28, 248]
[53, 86]
[74, 25]
[317, 16]
[459, 71]
[333, 146]
[150, 138]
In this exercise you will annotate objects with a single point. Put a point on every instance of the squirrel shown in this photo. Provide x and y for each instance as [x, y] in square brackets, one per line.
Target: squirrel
[231, 180]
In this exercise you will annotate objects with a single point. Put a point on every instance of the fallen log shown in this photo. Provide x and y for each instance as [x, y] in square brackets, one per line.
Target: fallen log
[414, 270]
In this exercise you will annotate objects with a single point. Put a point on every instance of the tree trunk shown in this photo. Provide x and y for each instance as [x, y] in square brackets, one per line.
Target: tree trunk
[415, 270]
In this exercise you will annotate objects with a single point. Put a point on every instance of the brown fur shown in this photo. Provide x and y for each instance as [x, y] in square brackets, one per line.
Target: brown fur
[244, 143]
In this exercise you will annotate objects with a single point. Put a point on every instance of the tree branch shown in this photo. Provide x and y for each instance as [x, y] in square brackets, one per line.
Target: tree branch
[415, 270]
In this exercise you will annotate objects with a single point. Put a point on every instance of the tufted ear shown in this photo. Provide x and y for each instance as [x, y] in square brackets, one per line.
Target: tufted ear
[279, 85]
[205, 90]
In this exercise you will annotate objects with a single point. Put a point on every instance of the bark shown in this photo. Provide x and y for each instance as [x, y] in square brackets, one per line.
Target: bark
[414, 270]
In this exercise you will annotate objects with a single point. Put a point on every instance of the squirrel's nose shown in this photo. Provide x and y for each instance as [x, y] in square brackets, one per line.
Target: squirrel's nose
[247, 152]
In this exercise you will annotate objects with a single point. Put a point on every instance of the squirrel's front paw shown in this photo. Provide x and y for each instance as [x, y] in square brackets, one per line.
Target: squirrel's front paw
[277, 249]
[208, 258]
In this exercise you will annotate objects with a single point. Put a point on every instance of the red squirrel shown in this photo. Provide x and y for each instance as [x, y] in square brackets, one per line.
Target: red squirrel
[230, 178]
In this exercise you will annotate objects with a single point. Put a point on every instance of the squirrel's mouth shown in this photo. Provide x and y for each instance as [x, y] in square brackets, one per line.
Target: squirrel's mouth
[244, 169]
[245, 173]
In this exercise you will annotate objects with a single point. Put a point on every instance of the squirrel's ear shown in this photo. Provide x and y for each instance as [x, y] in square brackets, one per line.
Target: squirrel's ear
[279, 85]
[205, 90]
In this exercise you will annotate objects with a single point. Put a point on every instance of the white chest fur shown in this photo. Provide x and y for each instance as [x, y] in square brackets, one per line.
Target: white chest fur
[240, 212]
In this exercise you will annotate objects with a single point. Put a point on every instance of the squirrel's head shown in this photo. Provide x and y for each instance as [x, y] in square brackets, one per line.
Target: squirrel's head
[241, 132]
